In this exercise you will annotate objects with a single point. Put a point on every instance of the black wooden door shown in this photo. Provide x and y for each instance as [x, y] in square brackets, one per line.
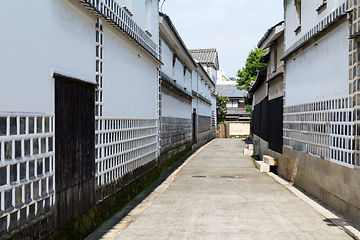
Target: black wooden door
[194, 139]
[74, 148]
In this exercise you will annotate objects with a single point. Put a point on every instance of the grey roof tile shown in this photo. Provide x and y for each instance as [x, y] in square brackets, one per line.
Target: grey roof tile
[230, 91]
[204, 55]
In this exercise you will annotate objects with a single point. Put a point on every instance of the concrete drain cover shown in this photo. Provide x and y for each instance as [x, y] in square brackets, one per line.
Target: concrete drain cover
[199, 176]
[227, 176]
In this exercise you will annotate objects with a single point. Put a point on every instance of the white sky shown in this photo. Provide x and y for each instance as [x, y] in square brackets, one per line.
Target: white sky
[233, 27]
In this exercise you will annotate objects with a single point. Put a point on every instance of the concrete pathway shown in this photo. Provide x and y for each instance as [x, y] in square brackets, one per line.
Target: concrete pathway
[218, 194]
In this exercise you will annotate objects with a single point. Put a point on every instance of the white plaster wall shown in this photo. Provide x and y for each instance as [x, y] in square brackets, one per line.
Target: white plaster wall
[167, 56]
[130, 82]
[275, 88]
[203, 88]
[39, 36]
[320, 72]
[137, 8]
[175, 107]
[195, 104]
[239, 129]
[138, 11]
[179, 72]
[194, 82]
[280, 50]
[309, 17]
[213, 74]
[188, 80]
[200, 85]
[260, 94]
[204, 109]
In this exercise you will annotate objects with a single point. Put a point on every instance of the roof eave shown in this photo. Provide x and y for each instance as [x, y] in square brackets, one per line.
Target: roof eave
[268, 33]
[177, 35]
[260, 78]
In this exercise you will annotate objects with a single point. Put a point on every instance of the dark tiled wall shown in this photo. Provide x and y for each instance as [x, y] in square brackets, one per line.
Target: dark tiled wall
[174, 132]
[204, 123]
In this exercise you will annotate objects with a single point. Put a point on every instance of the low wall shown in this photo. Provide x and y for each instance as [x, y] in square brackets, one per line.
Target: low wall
[263, 148]
[224, 130]
[239, 128]
[205, 137]
[335, 185]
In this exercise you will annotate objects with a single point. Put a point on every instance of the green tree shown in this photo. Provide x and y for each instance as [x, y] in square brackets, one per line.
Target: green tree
[248, 109]
[221, 107]
[249, 72]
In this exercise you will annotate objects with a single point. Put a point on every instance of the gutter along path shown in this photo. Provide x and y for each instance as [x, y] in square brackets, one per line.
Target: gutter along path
[219, 194]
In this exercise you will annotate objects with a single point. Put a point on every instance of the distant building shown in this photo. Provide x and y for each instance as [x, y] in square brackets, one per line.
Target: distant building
[186, 92]
[209, 60]
[236, 104]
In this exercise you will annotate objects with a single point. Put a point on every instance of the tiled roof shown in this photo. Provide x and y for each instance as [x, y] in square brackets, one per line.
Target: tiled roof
[205, 56]
[230, 91]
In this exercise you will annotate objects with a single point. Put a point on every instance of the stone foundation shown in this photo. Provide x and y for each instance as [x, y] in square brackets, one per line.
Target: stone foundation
[205, 137]
[334, 184]
[174, 132]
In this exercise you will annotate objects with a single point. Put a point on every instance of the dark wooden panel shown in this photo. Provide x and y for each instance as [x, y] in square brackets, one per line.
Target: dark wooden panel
[276, 124]
[264, 130]
[256, 118]
[74, 148]
[194, 120]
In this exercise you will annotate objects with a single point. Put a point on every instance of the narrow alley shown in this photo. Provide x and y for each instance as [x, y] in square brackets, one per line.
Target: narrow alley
[219, 194]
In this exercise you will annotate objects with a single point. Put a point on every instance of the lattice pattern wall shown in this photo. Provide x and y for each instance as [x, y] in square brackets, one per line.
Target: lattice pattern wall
[26, 170]
[323, 128]
[122, 146]
[354, 73]
[213, 119]
[118, 17]
[99, 60]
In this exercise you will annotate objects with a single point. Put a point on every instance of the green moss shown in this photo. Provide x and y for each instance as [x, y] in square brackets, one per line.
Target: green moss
[82, 226]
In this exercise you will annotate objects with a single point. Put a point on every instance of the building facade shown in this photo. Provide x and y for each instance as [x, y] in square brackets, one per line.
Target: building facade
[237, 101]
[267, 93]
[204, 91]
[176, 125]
[320, 150]
[66, 140]
[92, 109]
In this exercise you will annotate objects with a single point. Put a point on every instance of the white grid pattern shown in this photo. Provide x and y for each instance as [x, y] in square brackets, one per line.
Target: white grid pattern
[123, 145]
[119, 17]
[354, 74]
[27, 181]
[99, 68]
[323, 128]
